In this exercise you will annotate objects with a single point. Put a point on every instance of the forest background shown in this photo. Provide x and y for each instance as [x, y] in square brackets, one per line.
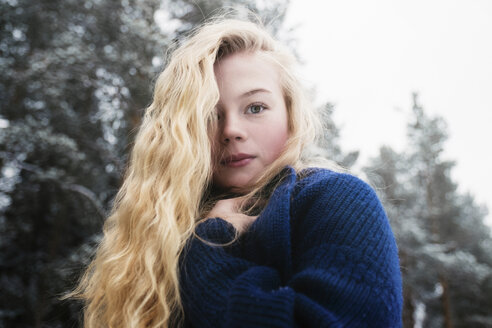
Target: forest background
[75, 79]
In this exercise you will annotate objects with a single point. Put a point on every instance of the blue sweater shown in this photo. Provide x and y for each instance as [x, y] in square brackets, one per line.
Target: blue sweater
[321, 254]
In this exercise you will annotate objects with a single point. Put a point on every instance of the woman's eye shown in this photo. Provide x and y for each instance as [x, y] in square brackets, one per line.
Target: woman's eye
[256, 108]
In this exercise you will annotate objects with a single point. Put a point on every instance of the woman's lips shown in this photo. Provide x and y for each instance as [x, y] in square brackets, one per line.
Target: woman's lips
[238, 160]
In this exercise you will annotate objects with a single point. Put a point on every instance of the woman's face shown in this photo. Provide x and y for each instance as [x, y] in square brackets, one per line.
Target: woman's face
[252, 119]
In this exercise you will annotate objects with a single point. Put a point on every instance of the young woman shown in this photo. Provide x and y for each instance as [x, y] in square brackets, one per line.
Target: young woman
[221, 222]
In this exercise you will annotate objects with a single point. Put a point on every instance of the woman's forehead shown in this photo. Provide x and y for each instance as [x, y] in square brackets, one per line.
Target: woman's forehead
[244, 74]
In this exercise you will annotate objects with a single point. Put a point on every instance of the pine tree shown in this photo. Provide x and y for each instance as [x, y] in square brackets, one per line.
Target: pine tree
[328, 144]
[442, 238]
[76, 76]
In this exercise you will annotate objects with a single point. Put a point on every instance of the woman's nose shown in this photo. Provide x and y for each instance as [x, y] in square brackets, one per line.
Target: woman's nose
[233, 129]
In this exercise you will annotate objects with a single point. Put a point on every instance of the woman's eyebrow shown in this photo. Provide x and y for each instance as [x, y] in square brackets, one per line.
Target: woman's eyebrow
[254, 91]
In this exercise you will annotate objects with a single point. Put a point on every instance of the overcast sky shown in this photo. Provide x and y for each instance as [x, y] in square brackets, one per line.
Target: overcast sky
[367, 57]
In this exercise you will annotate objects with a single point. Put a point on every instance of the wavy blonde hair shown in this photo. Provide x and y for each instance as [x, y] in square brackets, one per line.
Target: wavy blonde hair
[133, 280]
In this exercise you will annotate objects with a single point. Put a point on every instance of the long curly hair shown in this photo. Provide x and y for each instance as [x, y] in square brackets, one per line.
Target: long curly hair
[133, 280]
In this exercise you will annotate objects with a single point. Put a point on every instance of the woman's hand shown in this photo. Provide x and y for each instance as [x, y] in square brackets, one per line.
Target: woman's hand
[228, 210]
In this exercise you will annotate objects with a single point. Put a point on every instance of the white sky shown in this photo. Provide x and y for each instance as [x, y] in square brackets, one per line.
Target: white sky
[367, 57]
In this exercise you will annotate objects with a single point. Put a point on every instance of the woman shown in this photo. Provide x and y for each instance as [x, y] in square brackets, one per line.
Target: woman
[220, 222]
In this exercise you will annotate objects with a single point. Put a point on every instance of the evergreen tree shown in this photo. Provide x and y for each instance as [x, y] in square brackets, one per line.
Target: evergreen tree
[76, 76]
[328, 144]
[193, 12]
[444, 244]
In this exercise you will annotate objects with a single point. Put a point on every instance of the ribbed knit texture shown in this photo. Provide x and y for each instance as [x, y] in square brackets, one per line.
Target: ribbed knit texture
[321, 254]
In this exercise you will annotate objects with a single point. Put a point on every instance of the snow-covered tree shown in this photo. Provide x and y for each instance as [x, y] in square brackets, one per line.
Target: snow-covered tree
[444, 244]
[76, 76]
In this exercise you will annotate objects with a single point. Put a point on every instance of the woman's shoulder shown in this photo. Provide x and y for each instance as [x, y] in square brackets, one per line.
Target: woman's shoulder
[338, 207]
[335, 196]
[316, 180]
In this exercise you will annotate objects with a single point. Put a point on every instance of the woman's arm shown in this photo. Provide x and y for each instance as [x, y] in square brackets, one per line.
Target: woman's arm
[343, 269]
[342, 241]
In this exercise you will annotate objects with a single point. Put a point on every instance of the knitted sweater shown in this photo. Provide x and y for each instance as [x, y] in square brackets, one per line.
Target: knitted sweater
[321, 254]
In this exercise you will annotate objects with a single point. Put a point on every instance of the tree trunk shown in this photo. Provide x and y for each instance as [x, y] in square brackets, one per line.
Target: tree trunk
[446, 307]
[408, 303]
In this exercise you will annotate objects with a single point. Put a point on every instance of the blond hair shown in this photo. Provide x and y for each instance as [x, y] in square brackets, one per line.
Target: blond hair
[134, 279]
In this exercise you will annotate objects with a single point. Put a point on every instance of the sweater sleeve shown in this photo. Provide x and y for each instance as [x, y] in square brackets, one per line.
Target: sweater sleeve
[346, 267]
[344, 270]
